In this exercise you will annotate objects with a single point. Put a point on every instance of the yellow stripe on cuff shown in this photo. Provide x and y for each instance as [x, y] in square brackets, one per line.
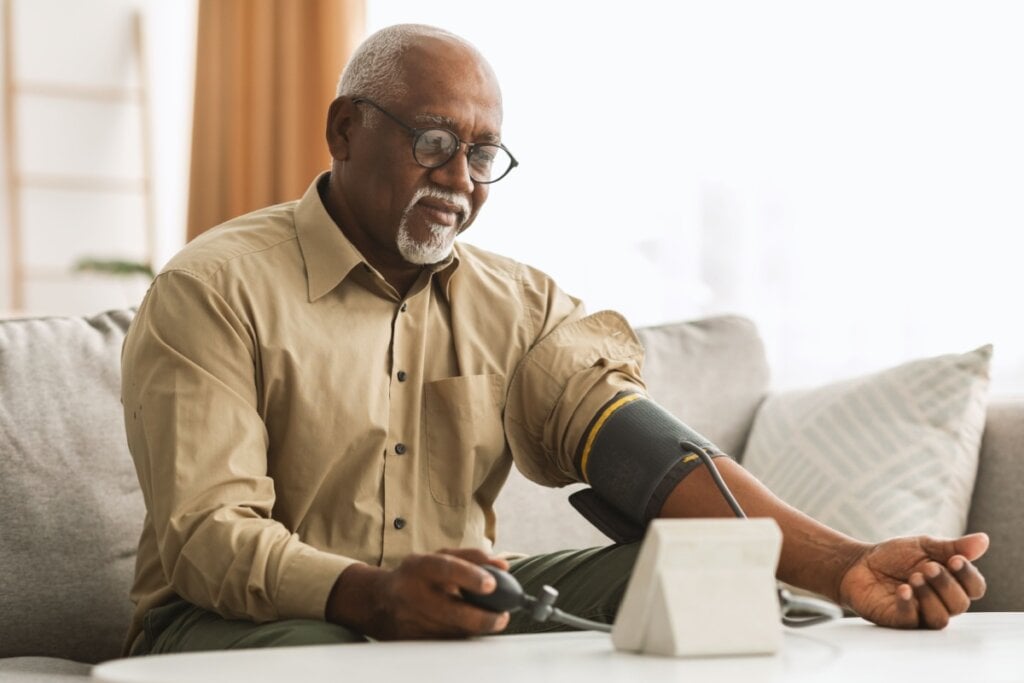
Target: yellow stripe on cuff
[592, 436]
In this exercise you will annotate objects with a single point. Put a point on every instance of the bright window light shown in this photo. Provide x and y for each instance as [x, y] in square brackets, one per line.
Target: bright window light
[848, 174]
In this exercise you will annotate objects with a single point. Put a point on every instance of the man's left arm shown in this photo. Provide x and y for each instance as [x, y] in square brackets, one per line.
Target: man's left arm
[575, 373]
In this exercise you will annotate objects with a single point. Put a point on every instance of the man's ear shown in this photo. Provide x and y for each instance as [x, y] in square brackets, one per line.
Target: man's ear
[339, 124]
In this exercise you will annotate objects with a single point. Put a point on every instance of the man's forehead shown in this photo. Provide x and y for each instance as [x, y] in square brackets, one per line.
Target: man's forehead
[443, 70]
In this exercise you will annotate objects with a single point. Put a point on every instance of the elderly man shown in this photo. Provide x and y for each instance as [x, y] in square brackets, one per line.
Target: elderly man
[324, 398]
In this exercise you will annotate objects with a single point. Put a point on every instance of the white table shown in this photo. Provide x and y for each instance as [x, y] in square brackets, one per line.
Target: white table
[975, 647]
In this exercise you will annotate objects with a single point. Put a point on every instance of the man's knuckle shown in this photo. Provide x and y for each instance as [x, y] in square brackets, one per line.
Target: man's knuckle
[489, 623]
[433, 566]
[448, 568]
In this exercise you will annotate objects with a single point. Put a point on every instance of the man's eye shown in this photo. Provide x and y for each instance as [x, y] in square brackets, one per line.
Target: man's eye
[483, 157]
[435, 142]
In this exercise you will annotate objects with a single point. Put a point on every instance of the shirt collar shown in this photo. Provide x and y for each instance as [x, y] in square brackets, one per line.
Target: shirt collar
[328, 253]
[444, 270]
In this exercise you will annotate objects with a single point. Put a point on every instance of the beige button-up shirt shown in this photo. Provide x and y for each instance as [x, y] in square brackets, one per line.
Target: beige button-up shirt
[289, 413]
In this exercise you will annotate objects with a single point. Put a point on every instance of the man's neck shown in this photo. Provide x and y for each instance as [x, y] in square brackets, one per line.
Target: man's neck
[395, 270]
[402, 280]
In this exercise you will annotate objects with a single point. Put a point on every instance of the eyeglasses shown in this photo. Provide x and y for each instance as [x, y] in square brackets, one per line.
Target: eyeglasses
[435, 147]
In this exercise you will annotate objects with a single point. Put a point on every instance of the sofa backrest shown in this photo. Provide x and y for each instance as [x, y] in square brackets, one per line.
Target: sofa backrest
[73, 508]
[996, 506]
[711, 373]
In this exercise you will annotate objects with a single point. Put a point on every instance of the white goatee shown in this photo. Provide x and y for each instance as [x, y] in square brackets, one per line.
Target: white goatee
[439, 243]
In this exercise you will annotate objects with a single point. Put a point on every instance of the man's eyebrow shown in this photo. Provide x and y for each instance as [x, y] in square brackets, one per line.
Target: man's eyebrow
[449, 122]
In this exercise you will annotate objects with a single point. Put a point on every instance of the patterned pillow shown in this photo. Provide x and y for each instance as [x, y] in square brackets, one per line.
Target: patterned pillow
[888, 454]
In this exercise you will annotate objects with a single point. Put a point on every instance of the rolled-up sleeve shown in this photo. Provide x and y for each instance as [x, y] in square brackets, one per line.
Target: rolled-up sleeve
[560, 385]
[200, 447]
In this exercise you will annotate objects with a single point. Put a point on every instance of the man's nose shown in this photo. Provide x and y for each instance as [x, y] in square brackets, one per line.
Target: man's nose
[454, 174]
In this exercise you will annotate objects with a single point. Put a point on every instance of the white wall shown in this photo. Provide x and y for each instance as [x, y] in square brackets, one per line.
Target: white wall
[847, 174]
[71, 42]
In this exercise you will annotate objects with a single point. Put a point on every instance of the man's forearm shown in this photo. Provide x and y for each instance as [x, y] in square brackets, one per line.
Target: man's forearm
[813, 556]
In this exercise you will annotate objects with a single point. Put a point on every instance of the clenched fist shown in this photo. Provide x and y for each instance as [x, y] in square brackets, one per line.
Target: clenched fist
[418, 599]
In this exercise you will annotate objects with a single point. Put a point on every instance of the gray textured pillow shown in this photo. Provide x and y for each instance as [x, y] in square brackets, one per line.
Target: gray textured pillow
[710, 373]
[73, 509]
[889, 454]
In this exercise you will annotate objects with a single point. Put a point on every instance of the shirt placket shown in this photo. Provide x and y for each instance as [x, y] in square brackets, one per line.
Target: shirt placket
[401, 456]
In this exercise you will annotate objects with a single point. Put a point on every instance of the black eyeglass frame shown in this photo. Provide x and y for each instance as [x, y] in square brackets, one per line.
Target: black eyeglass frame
[416, 133]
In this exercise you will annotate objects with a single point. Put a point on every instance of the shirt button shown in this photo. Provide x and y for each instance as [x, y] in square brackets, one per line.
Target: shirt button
[404, 306]
[402, 375]
[400, 448]
[399, 523]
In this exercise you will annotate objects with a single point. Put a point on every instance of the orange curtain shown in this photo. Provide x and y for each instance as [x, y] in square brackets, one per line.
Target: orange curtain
[266, 71]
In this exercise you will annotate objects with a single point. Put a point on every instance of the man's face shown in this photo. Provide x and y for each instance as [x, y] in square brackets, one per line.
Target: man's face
[401, 209]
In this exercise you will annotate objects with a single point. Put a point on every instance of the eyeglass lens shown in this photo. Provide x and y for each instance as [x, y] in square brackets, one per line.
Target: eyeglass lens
[434, 147]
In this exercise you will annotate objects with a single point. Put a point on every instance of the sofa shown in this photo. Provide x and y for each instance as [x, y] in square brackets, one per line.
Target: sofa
[74, 510]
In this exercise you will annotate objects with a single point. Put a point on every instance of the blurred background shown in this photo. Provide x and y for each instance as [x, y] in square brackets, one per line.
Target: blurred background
[848, 174]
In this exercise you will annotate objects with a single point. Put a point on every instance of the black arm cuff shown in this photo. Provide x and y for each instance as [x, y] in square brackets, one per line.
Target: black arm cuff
[632, 457]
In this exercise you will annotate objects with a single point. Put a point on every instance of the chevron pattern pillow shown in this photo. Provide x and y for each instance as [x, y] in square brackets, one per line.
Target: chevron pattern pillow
[888, 454]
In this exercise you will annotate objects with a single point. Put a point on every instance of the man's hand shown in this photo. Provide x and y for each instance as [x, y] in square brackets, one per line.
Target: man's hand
[915, 582]
[418, 599]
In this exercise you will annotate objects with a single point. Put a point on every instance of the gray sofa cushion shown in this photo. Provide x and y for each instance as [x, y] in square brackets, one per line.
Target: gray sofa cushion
[996, 507]
[73, 509]
[710, 373]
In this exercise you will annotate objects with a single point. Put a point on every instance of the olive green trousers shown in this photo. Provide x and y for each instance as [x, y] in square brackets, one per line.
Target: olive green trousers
[590, 584]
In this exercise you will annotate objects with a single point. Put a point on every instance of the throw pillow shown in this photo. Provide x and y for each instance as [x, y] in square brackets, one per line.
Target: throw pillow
[889, 454]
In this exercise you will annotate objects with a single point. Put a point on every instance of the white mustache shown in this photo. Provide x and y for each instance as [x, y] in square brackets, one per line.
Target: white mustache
[461, 201]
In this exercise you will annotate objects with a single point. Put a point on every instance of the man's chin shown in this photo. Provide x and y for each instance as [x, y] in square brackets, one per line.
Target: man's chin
[429, 252]
[425, 258]
[424, 255]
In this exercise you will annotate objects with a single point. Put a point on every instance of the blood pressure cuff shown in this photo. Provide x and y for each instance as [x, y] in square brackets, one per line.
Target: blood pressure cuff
[632, 456]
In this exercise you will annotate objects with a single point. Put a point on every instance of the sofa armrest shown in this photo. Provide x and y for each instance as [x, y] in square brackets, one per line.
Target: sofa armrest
[996, 505]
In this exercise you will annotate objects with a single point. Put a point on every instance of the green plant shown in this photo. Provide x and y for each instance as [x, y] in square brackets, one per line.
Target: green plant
[118, 267]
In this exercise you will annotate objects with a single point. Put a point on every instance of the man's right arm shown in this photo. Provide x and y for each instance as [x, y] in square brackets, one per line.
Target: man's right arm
[200, 449]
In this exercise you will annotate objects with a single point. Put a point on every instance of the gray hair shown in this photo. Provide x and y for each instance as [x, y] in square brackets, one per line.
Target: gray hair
[375, 69]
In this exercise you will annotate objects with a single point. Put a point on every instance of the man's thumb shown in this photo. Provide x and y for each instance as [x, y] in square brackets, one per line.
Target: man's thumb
[971, 546]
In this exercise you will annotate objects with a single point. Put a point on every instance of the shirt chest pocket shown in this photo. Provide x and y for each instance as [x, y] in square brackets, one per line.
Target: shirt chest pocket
[464, 434]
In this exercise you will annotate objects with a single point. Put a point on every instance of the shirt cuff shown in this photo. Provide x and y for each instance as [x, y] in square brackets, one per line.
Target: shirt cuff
[306, 583]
